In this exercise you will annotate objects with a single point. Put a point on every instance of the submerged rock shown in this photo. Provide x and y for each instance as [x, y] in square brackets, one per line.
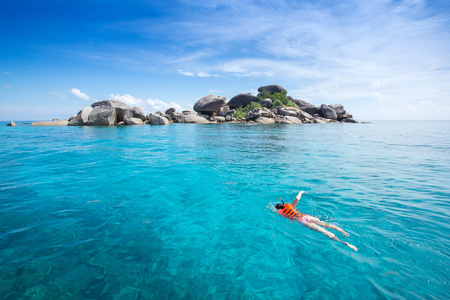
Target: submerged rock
[55, 122]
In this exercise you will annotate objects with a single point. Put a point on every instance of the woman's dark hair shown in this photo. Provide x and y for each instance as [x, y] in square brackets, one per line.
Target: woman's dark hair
[279, 206]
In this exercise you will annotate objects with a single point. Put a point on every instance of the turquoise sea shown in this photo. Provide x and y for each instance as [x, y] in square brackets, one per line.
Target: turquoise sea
[181, 211]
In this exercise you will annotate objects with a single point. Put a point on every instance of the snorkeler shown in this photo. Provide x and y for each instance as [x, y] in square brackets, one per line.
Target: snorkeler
[288, 210]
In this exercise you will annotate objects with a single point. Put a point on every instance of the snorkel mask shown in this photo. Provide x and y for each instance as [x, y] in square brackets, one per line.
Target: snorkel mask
[279, 205]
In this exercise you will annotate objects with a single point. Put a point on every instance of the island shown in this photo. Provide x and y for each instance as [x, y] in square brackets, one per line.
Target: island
[271, 105]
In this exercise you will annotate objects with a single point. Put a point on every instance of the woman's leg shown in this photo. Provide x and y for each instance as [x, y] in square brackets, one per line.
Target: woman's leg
[327, 225]
[332, 236]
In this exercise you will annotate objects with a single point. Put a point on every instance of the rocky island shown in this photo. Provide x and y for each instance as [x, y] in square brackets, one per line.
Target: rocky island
[271, 105]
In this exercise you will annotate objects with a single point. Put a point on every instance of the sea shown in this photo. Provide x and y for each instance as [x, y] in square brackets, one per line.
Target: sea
[184, 211]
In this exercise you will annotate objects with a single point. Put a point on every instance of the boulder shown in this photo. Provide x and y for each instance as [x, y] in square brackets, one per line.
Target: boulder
[11, 124]
[340, 111]
[305, 116]
[191, 119]
[51, 123]
[223, 111]
[272, 89]
[264, 120]
[122, 110]
[259, 113]
[301, 103]
[158, 120]
[102, 116]
[327, 112]
[219, 119]
[171, 111]
[284, 121]
[350, 120]
[267, 102]
[311, 110]
[229, 118]
[81, 118]
[319, 121]
[187, 112]
[209, 104]
[134, 121]
[137, 112]
[293, 120]
[242, 100]
[288, 111]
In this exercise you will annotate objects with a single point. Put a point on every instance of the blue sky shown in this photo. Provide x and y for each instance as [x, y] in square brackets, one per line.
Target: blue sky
[380, 59]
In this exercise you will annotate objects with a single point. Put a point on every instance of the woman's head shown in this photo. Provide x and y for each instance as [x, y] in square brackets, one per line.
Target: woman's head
[279, 206]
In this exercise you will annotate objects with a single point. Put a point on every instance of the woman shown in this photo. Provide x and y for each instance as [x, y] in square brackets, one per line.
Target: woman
[288, 210]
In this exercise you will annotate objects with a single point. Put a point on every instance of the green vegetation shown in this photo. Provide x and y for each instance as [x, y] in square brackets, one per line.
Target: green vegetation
[279, 99]
[241, 112]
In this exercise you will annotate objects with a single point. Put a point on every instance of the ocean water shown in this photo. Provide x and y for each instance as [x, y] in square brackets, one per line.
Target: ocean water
[181, 211]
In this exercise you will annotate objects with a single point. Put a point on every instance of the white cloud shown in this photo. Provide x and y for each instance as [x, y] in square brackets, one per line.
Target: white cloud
[77, 93]
[6, 86]
[196, 74]
[148, 105]
[158, 105]
[127, 99]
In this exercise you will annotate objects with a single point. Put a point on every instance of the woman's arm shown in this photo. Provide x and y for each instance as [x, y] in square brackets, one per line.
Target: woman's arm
[297, 198]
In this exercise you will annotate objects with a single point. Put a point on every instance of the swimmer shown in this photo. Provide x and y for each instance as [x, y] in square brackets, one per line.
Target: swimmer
[288, 210]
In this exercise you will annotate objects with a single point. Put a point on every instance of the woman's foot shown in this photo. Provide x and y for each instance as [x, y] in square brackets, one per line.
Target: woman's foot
[351, 246]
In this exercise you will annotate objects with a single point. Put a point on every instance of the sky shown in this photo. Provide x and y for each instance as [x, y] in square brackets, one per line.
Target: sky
[381, 59]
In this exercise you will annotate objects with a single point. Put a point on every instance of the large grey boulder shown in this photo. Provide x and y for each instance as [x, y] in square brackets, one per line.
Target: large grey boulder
[191, 119]
[242, 100]
[340, 111]
[54, 122]
[137, 112]
[224, 110]
[289, 111]
[81, 118]
[11, 124]
[292, 120]
[187, 112]
[267, 102]
[272, 89]
[158, 120]
[259, 113]
[209, 104]
[327, 112]
[171, 111]
[301, 103]
[133, 121]
[312, 110]
[102, 116]
[122, 110]
[305, 116]
[264, 120]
